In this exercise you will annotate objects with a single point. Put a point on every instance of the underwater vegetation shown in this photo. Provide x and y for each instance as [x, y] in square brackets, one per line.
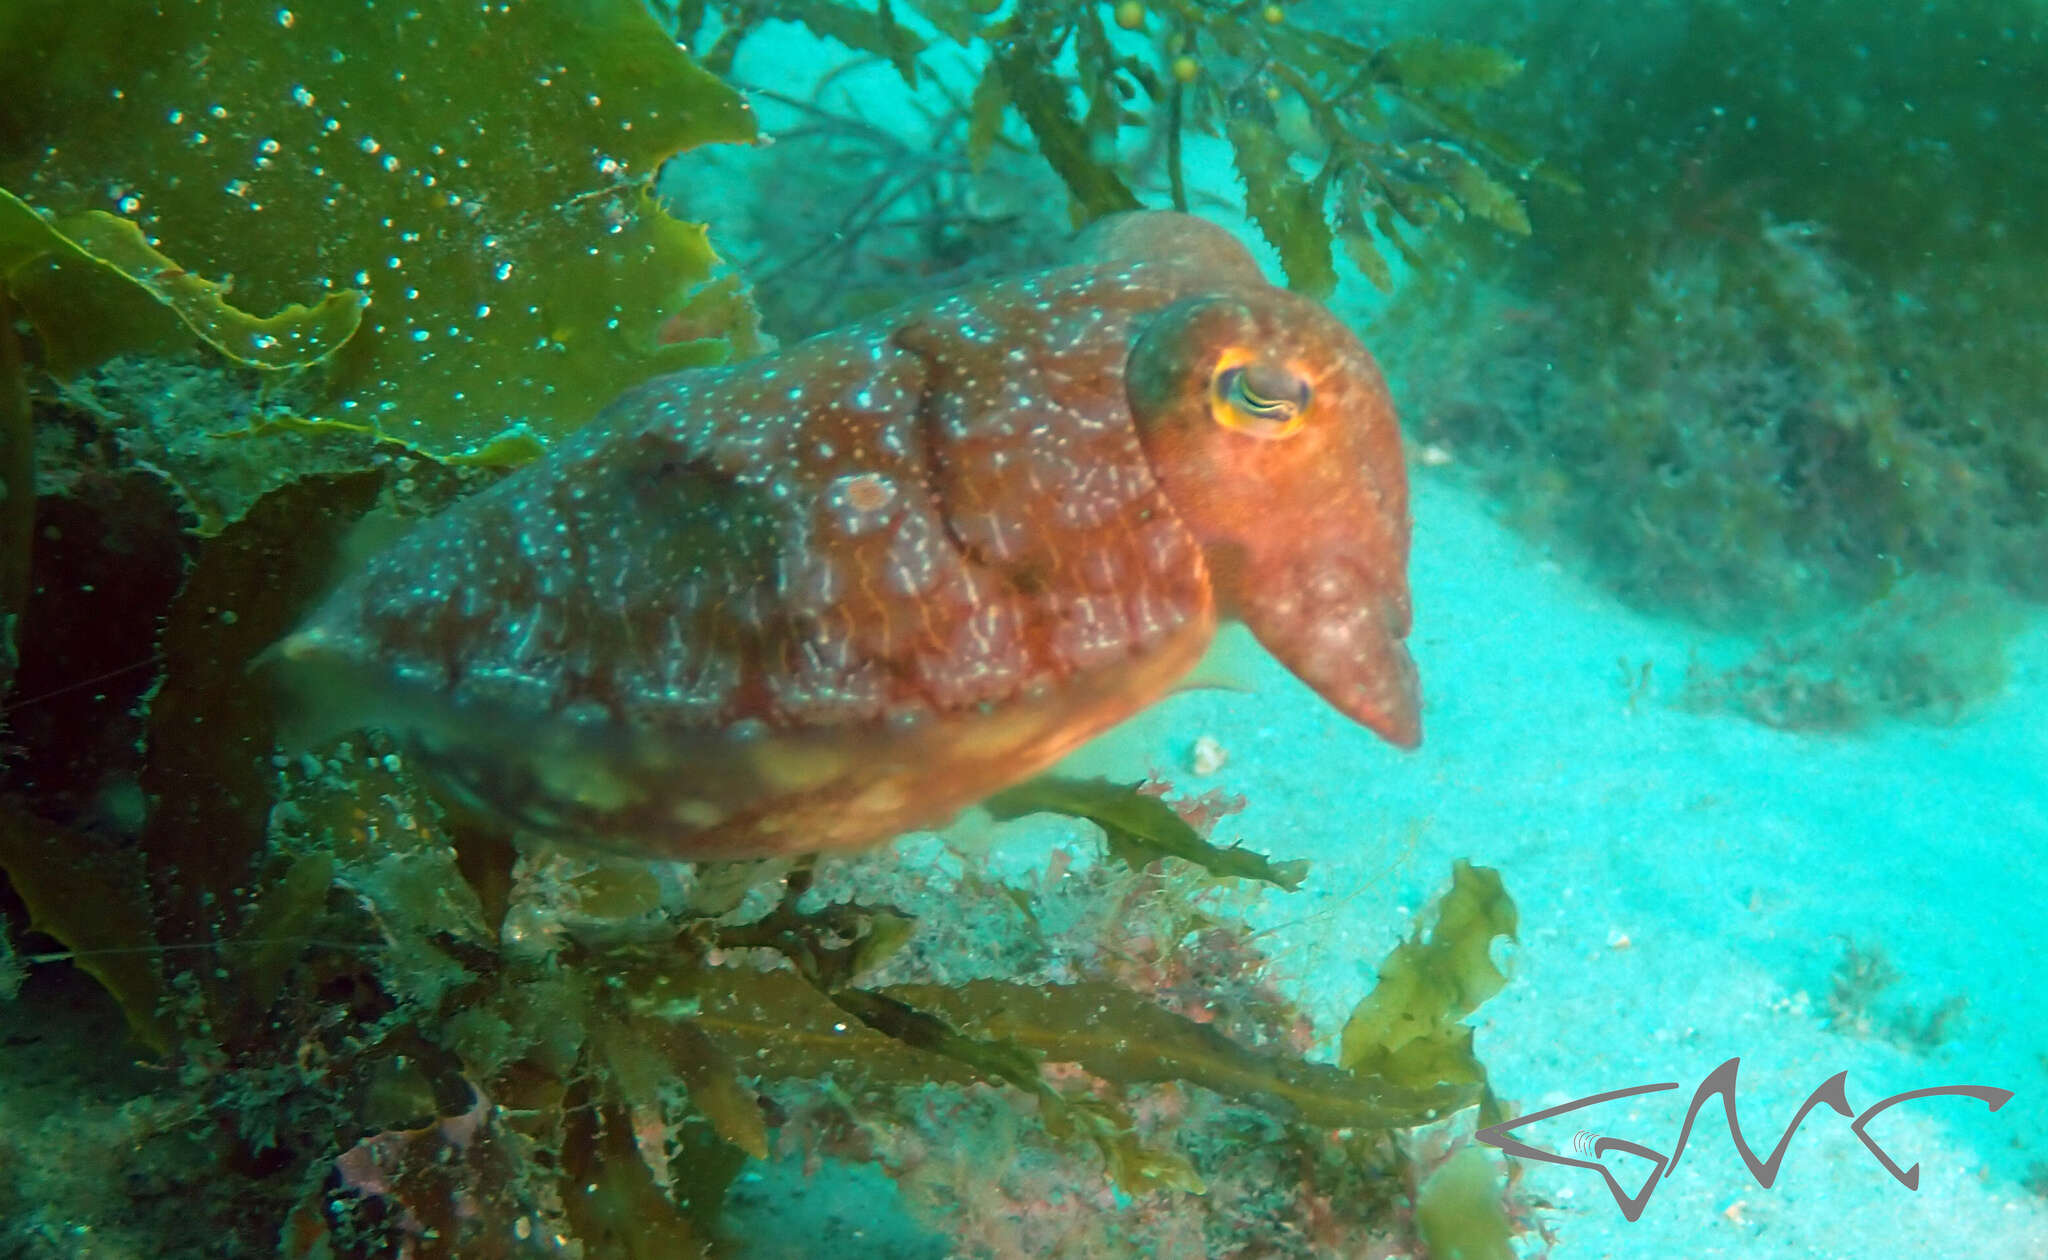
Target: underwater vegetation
[446, 207]
[415, 1042]
[1783, 354]
[1929, 651]
[275, 282]
[908, 213]
[1859, 1003]
[1342, 144]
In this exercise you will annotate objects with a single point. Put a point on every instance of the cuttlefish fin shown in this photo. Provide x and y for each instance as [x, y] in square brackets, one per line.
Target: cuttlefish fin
[1229, 665]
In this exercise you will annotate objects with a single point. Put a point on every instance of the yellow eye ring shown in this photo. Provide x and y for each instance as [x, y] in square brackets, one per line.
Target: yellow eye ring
[1259, 398]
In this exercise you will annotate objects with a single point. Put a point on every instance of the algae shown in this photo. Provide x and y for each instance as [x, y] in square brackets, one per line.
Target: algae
[593, 1068]
[211, 729]
[40, 260]
[1928, 651]
[1459, 1211]
[109, 557]
[93, 904]
[614, 1202]
[1332, 135]
[1860, 1003]
[1793, 325]
[1139, 827]
[13, 967]
[1408, 1029]
[1128, 1039]
[480, 174]
[17, 493]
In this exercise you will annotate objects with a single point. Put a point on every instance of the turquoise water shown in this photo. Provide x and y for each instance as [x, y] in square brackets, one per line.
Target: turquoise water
[424, 832]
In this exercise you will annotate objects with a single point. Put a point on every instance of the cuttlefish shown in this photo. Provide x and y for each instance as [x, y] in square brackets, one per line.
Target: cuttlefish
[810, 601]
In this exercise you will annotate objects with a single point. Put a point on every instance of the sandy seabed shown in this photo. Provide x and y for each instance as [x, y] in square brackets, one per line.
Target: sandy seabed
[1688, 886]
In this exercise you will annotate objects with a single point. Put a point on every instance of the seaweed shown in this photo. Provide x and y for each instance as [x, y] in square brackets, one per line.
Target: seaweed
[109, 558]
[493, 211]
[1408, 1029]
[13, 967]
[1857, 1003]
[1799, 340]
[1128, 1039]
[1287, 207]
[17, 493]
[617, 1206]
[41, 257]
[94, 904]
[1139, 828]
[1041, 100]
[1927, 651]
[915, 207]
[603, 1064]
[211, 730]
[443, 1178]
[1333, 136]
[1459, 1211]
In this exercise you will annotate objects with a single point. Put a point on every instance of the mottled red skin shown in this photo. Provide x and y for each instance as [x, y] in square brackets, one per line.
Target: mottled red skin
[813, 600]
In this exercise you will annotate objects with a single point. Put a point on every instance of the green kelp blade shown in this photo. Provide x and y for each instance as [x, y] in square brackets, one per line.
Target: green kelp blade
[717, 1091]
[985, 110]
[1135, 1166]
[615, 1207]
[1407, 1029]
[91, 900]
[1140, 828]
[1461, 1209]
[957, 20]
[1428, 64]
[777, 1025]
[641, 1050]
[1287, 208]
[865, 28]
[211, 729]
[1128, 1039]
[481, 172]
[296, 337]
[1320, 54]
[1366, 256]
[1040, 98]
[1481, 195]
[17, 493]
[278, 929]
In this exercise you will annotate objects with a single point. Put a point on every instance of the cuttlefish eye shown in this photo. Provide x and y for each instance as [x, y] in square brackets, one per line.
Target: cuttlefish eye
[1265, 400]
